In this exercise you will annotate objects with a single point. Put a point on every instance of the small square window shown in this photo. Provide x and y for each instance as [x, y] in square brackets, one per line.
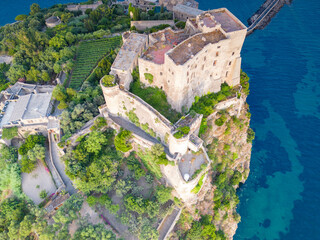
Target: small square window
[217, 54]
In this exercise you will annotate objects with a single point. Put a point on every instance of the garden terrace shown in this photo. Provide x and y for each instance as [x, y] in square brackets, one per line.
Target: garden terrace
[189, 48]
[88, 56]
[166, 40]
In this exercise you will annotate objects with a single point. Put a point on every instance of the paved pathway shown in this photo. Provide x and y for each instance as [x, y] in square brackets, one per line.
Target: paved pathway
[168, 223]
[60, 166]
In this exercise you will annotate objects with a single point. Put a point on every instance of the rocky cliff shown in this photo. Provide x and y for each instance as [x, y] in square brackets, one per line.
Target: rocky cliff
[228, 141]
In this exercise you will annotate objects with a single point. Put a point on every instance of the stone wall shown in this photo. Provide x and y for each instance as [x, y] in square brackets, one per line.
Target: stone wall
[143, 25]
[129, 106]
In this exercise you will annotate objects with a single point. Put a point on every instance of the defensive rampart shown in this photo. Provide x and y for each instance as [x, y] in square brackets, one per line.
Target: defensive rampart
[143, 25]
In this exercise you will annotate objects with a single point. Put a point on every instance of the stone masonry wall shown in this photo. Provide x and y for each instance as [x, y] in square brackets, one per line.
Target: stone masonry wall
[129, 106]
[143, 25]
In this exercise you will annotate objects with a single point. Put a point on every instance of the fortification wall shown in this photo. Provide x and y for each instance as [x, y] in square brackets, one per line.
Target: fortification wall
[129, 106]
[143, 25]
[183, 188]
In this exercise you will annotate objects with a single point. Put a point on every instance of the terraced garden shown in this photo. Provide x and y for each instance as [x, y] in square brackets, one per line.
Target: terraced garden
[88, 55]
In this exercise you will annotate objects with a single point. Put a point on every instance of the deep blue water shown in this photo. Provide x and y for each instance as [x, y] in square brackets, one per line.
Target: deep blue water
[281, 198]
[9, 9]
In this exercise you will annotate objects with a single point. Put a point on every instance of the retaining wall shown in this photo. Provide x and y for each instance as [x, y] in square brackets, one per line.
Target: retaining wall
[143, 25]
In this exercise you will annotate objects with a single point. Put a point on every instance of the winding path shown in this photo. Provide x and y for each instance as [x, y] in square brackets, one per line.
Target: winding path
[59, 165]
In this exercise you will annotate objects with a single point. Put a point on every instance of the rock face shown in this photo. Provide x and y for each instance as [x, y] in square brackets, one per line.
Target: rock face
[232, 133]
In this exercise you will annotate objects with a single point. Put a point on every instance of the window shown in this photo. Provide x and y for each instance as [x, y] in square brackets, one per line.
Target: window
[219, 46]
[215, 63]
[205, 58]
[217, 54]
[227, 74]
[232, 53]
[187, 73]
[202, 67]
[161, 87]
[229, 63]
[172, 73]
[160, 73]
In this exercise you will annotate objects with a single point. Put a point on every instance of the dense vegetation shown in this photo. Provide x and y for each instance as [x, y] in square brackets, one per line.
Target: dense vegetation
[39, 53]
[9, 133]
[89, 53]
[155, 97]
[82, 107]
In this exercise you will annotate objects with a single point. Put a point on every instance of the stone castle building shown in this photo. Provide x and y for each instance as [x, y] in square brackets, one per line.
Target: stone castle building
[185, 64]
[194, 61]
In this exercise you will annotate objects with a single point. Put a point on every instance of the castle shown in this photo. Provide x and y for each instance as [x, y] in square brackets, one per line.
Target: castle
[185, 64]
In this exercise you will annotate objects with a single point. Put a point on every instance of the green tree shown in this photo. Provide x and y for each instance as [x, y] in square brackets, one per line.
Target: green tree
[27, 165]
[163, 194]
[9, 133]
[26, 226]
[121, 141]
[21, 17]
[94, 232]
[34, 8]
[45, 76]
[100, 174]
[59, 93]
[33, 75]
[37, 153]
[95, 141]
[16, 71]
[8, 155]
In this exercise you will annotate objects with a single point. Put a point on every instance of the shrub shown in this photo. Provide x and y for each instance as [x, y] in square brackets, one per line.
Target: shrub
[197, 188]
[182, 131]
[27, 165]
[153, 96]
[9, 133]
[220, 121]
[43, 194]
[149, 77]
[251, 135]
[163, 194]
[30, 142]
[244, 81]
[108, 81]
[181, 24]
[121, 141]
[99, 123]
[91, 200]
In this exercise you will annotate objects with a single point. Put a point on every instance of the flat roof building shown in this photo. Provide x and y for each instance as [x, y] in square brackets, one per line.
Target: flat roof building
[127, 58]
[183, 12]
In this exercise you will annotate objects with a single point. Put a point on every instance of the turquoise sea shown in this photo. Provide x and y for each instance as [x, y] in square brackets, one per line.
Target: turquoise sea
[281, 198]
